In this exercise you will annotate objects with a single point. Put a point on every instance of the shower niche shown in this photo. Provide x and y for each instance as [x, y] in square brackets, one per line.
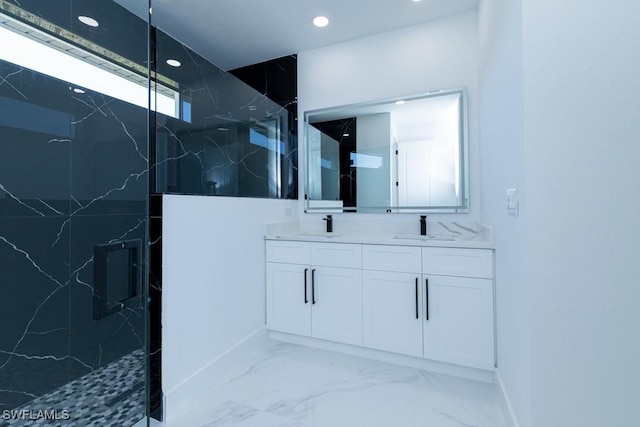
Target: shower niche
[117, 277]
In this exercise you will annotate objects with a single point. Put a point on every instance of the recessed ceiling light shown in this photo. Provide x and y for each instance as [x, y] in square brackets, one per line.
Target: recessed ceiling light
[78, 90]
[416, 1]
[223, 129]
[400, 102]
[345, 134]
[87, 20]
[174, 62]
[320, 21]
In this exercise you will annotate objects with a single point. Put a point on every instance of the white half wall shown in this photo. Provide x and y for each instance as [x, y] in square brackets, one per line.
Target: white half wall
[440, 54]
[502, 167]
[582, 156]
[213, 294]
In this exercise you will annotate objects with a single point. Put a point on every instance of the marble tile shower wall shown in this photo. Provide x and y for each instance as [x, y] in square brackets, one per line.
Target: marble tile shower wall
[73, 174]
[231, 139]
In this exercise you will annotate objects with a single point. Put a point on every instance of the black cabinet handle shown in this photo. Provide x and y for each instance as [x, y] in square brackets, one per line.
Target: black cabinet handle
[306, 300]
[313, 286]
[426, 292]
[417, 312]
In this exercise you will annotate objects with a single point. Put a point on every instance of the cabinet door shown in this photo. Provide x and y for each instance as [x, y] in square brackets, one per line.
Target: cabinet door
[337, 304]
[459, 328]
[287, 308]
[392, 312]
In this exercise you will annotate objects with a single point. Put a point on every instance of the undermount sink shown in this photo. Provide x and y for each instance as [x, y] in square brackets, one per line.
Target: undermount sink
[423, 238]
[319, 234]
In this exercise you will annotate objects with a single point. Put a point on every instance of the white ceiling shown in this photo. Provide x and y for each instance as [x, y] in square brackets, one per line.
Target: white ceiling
[235, 33]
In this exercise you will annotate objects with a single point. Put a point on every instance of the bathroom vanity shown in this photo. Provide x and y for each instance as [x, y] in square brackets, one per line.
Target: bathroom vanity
[422, 297]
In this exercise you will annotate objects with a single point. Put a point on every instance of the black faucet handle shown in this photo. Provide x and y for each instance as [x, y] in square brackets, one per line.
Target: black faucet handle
[329, 220]
[423, 225]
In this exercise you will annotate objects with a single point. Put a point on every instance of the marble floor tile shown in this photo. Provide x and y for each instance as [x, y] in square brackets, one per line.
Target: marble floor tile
[287, 385]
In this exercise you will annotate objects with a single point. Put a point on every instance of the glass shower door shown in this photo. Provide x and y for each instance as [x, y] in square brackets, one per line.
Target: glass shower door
[73, 213]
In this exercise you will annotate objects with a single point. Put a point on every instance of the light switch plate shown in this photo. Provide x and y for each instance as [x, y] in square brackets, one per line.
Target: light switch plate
[512, 201]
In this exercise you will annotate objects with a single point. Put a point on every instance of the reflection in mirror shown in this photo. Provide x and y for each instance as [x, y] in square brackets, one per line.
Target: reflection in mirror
[400, 155]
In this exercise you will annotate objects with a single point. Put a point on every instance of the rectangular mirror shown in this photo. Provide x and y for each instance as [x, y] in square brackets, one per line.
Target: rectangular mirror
[399, 155]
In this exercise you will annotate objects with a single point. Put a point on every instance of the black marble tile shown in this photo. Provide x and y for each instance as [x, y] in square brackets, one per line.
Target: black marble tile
[109, 155]
[235, 142]
[94, 343]
[73, 174]
[35, 314]
[155, 307]
[155, 205]
[36, 131]
[88, 155]
[276, 78]
[190, 74]
[74, 170]
[277, 81]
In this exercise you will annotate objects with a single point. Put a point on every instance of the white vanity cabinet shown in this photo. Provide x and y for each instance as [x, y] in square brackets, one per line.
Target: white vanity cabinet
[458, 306]
[435, 303]
[432, 303]
[315, 289]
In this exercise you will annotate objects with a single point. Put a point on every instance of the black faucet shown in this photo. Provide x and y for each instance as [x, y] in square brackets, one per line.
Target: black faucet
[329, 220]
[423, 225]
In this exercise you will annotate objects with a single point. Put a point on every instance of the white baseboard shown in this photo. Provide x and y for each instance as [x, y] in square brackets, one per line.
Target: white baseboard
[398, 359]
[507, 409]
[177, 401]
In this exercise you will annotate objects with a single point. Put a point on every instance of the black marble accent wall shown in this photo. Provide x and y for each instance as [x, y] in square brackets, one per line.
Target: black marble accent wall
[73, 176]
[230, 140]
[277, 79]
[155, 306]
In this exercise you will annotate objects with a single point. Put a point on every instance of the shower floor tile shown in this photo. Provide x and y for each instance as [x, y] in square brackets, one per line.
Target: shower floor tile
[288, 385]
[111, 396]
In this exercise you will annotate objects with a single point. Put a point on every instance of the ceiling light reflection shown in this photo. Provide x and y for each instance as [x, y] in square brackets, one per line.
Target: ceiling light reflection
[87, 20]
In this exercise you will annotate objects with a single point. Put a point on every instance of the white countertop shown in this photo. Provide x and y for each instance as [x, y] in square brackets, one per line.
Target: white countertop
[466, 240]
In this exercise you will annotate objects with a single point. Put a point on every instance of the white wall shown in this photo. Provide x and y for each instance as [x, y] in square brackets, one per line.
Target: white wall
[560, 102]
[502, 167]
[373, 137]
[582, 157]
[213, 280]
[440, 54]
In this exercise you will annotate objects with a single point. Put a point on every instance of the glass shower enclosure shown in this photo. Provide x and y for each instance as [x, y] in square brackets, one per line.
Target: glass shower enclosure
[74, 179]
